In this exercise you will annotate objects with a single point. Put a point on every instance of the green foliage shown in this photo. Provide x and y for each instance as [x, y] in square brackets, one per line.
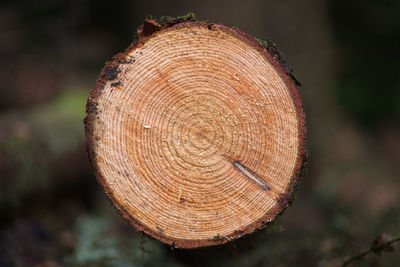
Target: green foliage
[274, 227]
[60, 122]
[91, 248]
[36, 139]
[98, 244]
[167, 20]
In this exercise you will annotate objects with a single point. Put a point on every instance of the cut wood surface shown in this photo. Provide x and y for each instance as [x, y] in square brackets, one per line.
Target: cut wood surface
[196, 133]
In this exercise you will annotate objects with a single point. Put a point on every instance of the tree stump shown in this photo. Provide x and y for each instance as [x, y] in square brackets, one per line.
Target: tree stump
[196, 133]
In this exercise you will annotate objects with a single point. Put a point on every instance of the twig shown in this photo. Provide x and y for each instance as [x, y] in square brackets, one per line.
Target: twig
[370, 250]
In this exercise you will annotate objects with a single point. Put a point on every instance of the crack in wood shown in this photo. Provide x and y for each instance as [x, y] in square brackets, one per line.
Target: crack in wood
[249, 174]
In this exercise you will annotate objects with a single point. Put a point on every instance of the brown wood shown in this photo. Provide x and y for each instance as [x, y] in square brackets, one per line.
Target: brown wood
[196, 133]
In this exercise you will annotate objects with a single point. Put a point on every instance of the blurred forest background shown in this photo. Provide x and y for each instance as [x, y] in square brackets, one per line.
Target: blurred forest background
[346, 54]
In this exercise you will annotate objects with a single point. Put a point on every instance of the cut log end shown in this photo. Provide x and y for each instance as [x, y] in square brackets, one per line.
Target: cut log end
[196, 133]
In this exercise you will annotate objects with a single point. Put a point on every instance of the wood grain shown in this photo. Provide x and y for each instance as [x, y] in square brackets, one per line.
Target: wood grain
[196, 134]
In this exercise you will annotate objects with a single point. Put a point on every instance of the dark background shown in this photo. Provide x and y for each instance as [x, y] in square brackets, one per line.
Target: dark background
[346, 55]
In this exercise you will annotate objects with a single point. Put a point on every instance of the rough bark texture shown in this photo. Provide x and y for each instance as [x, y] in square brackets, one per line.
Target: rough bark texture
[196, 133]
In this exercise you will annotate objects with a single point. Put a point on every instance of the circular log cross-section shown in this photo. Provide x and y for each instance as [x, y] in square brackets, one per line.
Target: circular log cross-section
[196, 134]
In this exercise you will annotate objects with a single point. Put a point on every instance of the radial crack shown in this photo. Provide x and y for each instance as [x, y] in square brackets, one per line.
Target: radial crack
[249, 174]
